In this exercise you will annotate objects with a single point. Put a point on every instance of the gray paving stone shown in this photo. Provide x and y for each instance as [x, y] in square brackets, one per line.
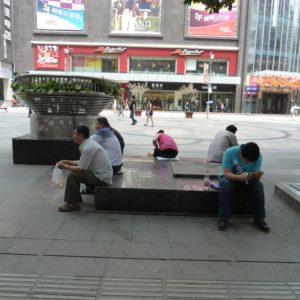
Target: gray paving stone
[201, 252]
[43, 224]
[208, 270]
[150, 228]
[114, 227]
[185, 230]
[18, 264]
[81, 266]
[139, 268]
[270, 271]
[23, 246]
[79, 248]
[78, 226]
[141, 250]
[264, 253]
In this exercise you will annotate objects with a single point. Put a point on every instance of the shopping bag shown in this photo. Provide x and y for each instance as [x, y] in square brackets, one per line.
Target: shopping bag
[58, 177]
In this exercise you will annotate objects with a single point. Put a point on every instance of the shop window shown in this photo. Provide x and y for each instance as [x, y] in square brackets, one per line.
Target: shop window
[194, 66]
[92, 63]
[151, 65]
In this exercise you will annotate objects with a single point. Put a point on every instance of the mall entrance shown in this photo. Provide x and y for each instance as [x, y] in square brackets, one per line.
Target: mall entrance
[274, 103]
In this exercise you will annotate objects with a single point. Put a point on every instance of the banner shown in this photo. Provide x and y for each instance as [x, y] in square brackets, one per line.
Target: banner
[222, 24]
[60, 15]
[47, 57]
[136, 17]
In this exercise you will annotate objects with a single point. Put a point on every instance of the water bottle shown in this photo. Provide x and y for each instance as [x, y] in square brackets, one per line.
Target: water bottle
[206, 182]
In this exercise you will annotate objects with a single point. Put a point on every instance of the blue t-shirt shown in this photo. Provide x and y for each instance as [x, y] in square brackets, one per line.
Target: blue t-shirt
[232, 160]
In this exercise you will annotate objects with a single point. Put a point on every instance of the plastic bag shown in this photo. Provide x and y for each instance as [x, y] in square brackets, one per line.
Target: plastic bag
[58, 177]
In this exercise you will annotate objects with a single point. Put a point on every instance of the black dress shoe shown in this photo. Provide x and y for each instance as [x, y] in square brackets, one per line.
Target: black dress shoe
[87, 191]
[262, 226]
[222, 225]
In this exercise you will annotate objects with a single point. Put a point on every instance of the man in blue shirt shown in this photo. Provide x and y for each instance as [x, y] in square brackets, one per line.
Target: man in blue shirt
[242, 170]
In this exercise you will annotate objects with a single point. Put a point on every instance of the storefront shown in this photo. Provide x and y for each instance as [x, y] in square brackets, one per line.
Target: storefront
[169, 96]
[272, 92]
[156, 73]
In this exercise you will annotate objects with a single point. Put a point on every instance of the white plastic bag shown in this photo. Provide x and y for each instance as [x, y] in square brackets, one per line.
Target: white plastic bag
[58, 177]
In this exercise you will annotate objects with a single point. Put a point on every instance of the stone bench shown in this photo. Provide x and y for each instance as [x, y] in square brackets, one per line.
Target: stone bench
[148, 185]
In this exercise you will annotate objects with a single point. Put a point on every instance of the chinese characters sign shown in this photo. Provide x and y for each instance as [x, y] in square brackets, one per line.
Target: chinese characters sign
[136, 17]
[60, 15]
[222, 24]
[47, 57]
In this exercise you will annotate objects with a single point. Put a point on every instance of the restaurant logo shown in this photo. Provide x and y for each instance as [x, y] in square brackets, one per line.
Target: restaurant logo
[109, 50]
[187, 52]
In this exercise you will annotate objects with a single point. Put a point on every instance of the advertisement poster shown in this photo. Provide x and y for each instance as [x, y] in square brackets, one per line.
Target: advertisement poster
[60, 15]
[136, 17]
[47, 57]
[222, 24]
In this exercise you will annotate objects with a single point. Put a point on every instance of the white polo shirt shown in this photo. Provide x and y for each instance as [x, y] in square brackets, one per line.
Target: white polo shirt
[94, 159]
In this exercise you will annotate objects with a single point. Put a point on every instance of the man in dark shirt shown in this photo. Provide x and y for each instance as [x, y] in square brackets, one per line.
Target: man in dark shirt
[132, 108]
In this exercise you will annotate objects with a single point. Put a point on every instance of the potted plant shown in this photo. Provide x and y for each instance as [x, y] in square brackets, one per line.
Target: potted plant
[139, 89]
[189, 93]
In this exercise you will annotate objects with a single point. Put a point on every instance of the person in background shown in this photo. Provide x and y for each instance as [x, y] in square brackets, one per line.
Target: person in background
[223, 140]
[164, 146]
[132, 108]
[241, 170]
[93, 169]
[149, 112]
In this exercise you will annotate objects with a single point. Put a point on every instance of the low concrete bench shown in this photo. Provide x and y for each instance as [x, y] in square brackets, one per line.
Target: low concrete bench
[148, 185]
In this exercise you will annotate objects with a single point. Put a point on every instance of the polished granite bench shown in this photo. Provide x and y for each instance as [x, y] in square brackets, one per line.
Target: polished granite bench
[152, 186]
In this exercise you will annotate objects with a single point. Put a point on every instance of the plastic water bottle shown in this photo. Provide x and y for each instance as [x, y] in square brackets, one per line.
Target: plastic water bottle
[206, 182]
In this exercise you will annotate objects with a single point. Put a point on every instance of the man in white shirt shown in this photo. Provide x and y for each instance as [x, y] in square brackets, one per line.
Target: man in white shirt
[223, 140]
[93, 169]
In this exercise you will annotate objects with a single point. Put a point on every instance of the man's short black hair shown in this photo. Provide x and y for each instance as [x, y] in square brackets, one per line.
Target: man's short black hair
[103, 121]
[231, 128]
[160, 131]
[82, 129]
[133, 97]
[250, 151]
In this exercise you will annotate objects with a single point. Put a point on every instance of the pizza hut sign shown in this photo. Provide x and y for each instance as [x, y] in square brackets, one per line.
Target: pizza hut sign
[187, 52]
[109, 50]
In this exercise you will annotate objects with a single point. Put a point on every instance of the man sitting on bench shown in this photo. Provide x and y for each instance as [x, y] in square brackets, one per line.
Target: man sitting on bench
[93, 169]
[242, 171]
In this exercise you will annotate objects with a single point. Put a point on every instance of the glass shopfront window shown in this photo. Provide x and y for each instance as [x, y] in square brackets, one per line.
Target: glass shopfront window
[194, 66]
[93, 63]
[151, 65]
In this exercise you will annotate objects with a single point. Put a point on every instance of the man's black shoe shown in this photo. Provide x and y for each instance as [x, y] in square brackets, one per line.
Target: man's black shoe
[87, 191]
[262, 226]
[222, 225]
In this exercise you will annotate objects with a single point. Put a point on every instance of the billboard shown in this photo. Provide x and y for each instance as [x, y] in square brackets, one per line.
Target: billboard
[203, 24]
[60, 15]
[136, 17]
[47, 57]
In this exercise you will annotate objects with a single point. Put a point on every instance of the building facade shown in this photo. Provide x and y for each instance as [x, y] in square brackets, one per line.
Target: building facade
[272, 65]
[6, 50]
[157, 45]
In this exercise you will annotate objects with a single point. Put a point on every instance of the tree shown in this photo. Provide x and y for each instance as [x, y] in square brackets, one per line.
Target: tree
[190, 93]
[140, 89]
[213, 6]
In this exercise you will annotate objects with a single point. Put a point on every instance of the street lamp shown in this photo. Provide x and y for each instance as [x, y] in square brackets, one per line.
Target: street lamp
[209, 87]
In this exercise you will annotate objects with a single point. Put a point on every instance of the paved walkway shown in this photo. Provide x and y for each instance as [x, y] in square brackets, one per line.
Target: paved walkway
[93, 255]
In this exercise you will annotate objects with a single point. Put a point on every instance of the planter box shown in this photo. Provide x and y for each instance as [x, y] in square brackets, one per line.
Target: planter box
[138, 113]
[189, 114]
